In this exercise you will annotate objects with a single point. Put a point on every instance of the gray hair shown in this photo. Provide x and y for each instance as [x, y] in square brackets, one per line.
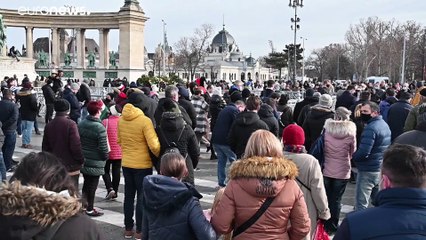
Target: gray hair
[171, 91]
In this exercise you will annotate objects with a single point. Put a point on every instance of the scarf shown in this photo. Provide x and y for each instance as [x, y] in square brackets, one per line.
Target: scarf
[295, 148]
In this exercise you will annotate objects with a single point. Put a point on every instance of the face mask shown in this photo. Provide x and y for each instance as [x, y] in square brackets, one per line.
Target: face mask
[365, 117]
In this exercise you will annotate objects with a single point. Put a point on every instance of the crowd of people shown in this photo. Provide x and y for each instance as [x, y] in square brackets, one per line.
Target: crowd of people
[279, 186]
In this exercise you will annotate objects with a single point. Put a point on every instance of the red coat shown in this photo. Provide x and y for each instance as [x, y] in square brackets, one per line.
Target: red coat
[112, 121]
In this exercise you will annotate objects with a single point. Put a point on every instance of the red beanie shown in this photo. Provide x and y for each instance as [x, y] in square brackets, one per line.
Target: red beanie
[293, 134]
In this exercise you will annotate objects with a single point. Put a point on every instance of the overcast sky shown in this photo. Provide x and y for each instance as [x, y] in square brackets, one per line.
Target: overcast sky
[251, 22]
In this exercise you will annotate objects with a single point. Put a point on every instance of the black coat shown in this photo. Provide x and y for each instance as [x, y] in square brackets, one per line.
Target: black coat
[189, 108]
[9, 115]
[298, 107]
[244, 125]
[75, 107]
[146, 104]
[216, 105]
[397, 115]
[314, 123]
[416, 137]
[83, 94]
[304, 112]
[159, 112]
[29, 106]
[266, 114]
[48, 93]
[345, 100]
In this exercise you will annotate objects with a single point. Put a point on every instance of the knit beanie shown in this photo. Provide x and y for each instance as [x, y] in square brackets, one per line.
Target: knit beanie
[235, 96]
[325, 101]
[61, 105]
[293, 134]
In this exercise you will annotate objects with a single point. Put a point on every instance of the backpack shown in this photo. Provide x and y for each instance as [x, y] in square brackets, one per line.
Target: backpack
[317, 149]
[171, 146]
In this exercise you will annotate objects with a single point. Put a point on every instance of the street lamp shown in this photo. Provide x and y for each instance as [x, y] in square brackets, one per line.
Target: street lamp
[295, 4]
[164, 48]
[303, 60]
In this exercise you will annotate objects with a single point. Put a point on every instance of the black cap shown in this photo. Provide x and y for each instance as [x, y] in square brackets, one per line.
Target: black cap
[235, 96]
[61, 105]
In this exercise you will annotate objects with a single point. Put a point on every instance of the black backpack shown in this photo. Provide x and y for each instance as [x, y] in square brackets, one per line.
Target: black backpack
[171, 146]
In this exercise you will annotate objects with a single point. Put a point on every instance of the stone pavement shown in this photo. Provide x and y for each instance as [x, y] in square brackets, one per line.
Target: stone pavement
[112, 222]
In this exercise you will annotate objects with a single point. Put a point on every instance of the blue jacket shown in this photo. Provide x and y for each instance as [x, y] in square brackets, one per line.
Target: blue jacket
[75, 106]
[401, 214]
[172, 211]
[9, 115]
[223, 124]
[397, 115]
[385, 105]
[375, 139]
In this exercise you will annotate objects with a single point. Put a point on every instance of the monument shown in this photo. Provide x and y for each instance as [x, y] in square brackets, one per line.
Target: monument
[129, 62]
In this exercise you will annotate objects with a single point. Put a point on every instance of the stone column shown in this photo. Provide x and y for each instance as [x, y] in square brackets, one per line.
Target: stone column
[103, 48]
[4, 50]
[55, 47]
[81, 47]
[29, 37]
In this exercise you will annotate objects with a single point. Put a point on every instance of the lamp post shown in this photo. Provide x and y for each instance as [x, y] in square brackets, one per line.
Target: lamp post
[295, 4]
[303, 60]
[164, 48]
[403, 61]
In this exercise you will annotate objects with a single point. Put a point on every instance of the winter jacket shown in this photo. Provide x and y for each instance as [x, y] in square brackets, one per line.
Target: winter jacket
[385, 105]
[416, 137]
[339, 146]
[266, 114]
[172, 211]
[315, 197]
[224, 122]
[244, 125]
[159, 113]
[345, 100]
[400, 214]
[41, 213]
[216, 105]
[83, 95]
[111, 126]
[189, 108]
[397, 114]
[375, 139]
[9, 115]
[48, 93]
[61, 138]
[286, 117]
[251, 182]
[28, 102]
[304, 112]
[412, 118]
[137, 138]
[75, 107]
[201, 108]
[94, 145]
[314, 123]
[299, 106]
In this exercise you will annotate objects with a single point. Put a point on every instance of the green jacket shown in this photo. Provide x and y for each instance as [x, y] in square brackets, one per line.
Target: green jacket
[412, 118]
[94, 145]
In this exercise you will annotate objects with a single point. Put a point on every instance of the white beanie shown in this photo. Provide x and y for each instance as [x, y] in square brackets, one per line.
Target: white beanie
[114, 111]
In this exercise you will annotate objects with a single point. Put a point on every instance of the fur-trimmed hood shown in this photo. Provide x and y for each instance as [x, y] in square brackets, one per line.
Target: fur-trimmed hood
[340, 129]
[43, 207]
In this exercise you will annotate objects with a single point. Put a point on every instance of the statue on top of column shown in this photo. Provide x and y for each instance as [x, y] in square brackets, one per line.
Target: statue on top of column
[112, 59]
[2, 33]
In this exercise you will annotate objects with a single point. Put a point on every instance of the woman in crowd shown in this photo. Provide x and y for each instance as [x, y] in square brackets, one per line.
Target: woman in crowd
[171, 208]
[310, 178]
[114, 160]
[95, 151]
[263, 175]
[41, 203]
[339, 145]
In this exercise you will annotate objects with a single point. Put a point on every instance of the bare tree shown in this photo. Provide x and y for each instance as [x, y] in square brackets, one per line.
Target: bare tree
[191, 50]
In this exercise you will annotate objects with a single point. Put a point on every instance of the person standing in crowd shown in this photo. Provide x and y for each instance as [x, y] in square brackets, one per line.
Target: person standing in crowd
[401, 205]
[167, 216]
[245, 124]
[137, 138]
[220, 133]
[266, 114]
[173, 129]
[171, 92]
[84, 96]
[9, 120]
[115, 154]
[143, 102]
[387, 103]
[285, 112]
[310, 179]
[28, 112]
[339, 146]
[269, 89]
[411, 121]
[187, 105]
[375, 139]
[347, 99]
[216, 105]
[306, 109]
[416, 137]
[397, 114]
[263, 175]
[308, 100]
[61, 138]
[95, 151]
[201, 108]
[49, 99]
[41, 201]
[70, 95]
[315, 119]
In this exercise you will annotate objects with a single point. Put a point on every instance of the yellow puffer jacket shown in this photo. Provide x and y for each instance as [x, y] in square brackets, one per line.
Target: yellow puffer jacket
[136, 136]
[417, 98]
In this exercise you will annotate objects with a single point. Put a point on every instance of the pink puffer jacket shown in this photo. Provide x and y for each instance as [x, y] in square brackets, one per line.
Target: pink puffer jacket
[111, 124]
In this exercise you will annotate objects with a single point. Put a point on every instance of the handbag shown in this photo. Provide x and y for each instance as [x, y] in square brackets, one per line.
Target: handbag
[243, 227]
[317, 149]
[320, 233]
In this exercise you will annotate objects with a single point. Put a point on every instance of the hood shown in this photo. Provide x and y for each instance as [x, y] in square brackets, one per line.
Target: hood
[263, 176]
[265, 111]
[247, 118]
[24, 92]
[131, 112]
[171, 121]
[139, 100]
[166, 194]
[340, 129]
[318, 112]
[41, 206]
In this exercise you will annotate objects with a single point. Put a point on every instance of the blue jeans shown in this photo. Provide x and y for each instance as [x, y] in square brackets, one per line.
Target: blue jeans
[27, 131]
[224, 154]
[2, 168]
[334, 188]
[8, 147]
[133, 183]
[367, 186]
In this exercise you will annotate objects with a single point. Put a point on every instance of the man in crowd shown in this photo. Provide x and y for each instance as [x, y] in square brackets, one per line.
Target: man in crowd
[49, 99]
[411, 121]
[401, 205]
[8, 118]
[375, 139]
[28, 112]
[84, 96]
[397, 114]
[171, 92]
[70, 95]
[347, 99]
